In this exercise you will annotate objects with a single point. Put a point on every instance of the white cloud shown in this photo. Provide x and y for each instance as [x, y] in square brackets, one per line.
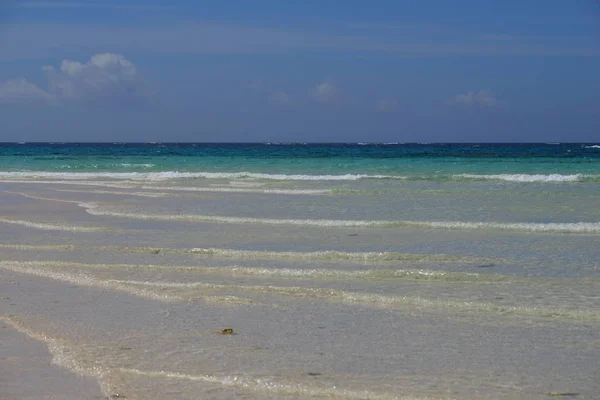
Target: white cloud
[482, 98]
[324, 92]
[105, 76]
[21, 91]
[388, 105]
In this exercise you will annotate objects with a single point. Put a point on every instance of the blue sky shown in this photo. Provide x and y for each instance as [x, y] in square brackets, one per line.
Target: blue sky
[274, 70]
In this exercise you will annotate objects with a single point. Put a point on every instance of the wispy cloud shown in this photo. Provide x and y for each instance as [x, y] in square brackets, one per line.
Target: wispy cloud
[277, 98]
[79, 4]
[40, 41]
[281, 100]
[324, 92]
[482, 98]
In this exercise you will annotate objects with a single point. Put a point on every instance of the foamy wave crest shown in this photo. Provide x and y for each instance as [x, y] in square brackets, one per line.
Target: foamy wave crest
[52, 227]
[30, 247]
[373, 274]
[558, 178]
[332, 255]
[328, 255]
[147, 290]
[180, 188]
[183, 291]
[130, 165]
[550, 227]
[240, 190]
[379, 300]
[575, 227]
[62, 352]
[94, 209]
[323, 273]
[595, 146]
[139, 194]
[275, 386]
[75, 357]
[166, 175]
[110, 184]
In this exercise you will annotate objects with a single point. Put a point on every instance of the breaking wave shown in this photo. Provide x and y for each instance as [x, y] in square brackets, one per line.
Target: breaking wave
[558, 178]
[166, 175]
[14, 176]
[123, 185]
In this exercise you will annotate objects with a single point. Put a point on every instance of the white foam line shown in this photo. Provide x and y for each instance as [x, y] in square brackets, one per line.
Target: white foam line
[179, 188]
[139, 194]
[551, 227]
[61, 351]
[167, 175]
[30, 196]
[232, 270]
[75, 183]
[52, 227]
[62, 354]
[575, 227]
[240, 190]
[378, 300]
[557, 178]
[327, 255]
[37, 269]
[369, 299]
[330, 255]
[274, 386]
[567, 227]
[94, 209]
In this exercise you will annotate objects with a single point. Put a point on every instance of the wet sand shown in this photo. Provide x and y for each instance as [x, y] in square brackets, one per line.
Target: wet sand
[133, 291]
[27, 372]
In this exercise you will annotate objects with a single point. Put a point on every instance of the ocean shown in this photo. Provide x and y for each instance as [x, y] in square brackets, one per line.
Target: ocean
[347, 271]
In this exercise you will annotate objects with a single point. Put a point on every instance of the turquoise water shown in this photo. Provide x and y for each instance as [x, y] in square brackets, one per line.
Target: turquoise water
[412, 161]
[346, 271]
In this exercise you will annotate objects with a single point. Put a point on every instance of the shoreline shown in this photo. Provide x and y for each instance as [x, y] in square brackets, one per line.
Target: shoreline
[27, 371]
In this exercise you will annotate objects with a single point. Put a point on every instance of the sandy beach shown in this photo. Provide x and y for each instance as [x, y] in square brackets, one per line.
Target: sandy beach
[27, 372]
[298, 287]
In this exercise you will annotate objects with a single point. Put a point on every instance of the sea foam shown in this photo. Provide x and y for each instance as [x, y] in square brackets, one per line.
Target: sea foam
[558, 178]
[573, 227]
[550, 227]
[52, 227]
[166, 175]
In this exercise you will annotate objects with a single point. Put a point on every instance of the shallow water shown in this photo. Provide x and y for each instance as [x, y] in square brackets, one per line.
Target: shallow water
[418, 281]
